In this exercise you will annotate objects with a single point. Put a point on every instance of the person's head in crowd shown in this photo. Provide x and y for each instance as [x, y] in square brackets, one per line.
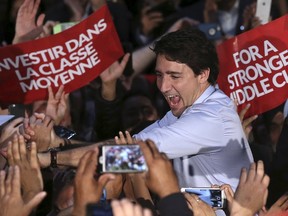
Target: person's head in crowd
[184, 74]
[137, 108]
[63, 190]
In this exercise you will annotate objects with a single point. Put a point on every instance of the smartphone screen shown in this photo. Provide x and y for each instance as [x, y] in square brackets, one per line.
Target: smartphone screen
[64, 132]
[123, 159]
[212, 196]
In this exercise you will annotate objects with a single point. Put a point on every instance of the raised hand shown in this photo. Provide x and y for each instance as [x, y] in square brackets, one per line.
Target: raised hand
[11, 201]
[246, 123]
[109, 78]
[27, 161]
[252, 191]
[57, 105]
[280, 207]
[124, 139]
[25, 22]
[88, 189]
[160, 170]
[39, 128]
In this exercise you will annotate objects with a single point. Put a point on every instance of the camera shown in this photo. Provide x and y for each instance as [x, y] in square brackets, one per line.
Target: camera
[122, 159]
[212, 31]
[212, 196]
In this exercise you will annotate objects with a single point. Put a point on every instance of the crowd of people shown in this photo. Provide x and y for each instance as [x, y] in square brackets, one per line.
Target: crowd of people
[161, 95]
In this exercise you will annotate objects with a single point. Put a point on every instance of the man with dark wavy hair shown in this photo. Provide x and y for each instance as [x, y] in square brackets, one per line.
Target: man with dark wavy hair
[202, 132]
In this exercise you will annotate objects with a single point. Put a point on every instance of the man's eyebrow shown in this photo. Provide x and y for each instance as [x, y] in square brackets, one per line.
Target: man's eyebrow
[169, 72]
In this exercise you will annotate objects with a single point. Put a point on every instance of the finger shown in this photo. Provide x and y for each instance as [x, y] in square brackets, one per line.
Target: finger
[47, 121]
[229, 194]
[146, 152]
[91, 166]
[249, 120]
[39, 116]
[117, 208]
[22, 147]
[122, 138]
[137, 210]
[147, 212]
[9, 180]
[154, 149]
[117, 140]
[124, 60]
[103, 180]
[127, 207]
[35, 201]
[82, 164]
[266, 180]
[40, 20]
[15, 182]
[129, 138]
[243, 176]
[244, 111]
[10, 154]
[16, 122]
[59, 92]
[260, 170]
[164, 156]
[16, 150]
[50, 93]
[33, 156]
[2, 183]
[35, 7]
[252, 172]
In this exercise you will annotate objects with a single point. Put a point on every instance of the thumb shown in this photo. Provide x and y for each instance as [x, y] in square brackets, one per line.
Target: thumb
[35, 201]
[104, 179]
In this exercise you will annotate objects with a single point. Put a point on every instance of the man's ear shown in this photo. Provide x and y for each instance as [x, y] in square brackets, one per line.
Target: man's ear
[204, 75]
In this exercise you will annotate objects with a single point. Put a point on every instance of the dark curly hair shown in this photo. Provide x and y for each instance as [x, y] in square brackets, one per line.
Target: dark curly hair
[191, 47]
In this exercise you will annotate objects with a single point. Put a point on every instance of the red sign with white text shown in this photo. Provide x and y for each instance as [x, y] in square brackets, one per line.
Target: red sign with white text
[72, 58]
[254, 67]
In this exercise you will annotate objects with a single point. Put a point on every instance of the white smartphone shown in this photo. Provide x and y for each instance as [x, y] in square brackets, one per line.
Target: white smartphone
[212, 196]
[122, 159]
[263, 9]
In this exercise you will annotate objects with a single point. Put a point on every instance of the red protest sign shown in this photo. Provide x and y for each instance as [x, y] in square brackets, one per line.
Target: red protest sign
[71, 58]
[254, 66]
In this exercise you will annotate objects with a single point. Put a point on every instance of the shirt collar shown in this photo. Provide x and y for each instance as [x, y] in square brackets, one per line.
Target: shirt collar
[205, 94]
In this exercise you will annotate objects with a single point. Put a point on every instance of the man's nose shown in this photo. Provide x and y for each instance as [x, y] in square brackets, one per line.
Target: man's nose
[164, 84]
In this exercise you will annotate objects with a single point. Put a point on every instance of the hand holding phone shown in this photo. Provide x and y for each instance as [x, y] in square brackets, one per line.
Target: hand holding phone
[122, 159]
[214, 197]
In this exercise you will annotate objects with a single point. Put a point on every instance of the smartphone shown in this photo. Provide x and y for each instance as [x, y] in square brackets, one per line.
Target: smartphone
[18, 110]
[62, 26]
[263, 9]
[212, 196]
[99, 209]
[212, 31]
[122, 159]
[166, 8]
[64, 132]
